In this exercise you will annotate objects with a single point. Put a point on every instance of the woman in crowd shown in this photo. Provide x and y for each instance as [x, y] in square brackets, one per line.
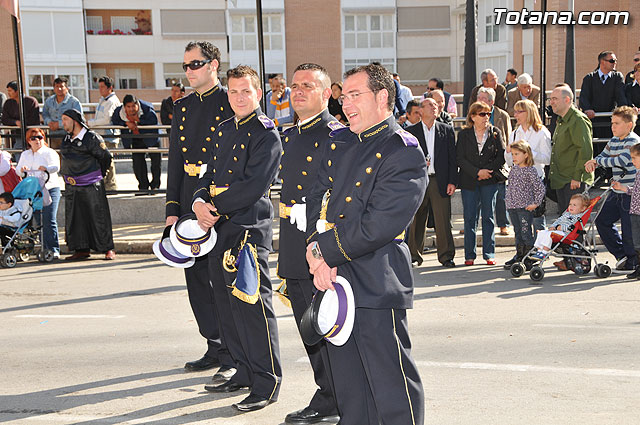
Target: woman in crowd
[335, 108]
[41, 157]
[480, 154]
[530, 129]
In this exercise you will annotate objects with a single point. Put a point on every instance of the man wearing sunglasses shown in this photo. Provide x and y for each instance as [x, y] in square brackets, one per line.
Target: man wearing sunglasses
[630, 77]
[194, 122]
[602, 91]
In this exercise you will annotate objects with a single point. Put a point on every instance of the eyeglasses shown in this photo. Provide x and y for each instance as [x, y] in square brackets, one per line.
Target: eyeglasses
[636, 59]
[194, 65]
[34, 138]
[351, 96]
[483, 114]
[611, 60]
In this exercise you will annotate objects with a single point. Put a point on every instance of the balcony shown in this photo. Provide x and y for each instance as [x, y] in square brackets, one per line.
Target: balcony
[118, 22]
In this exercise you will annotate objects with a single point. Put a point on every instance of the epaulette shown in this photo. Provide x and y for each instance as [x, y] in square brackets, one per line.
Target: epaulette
[268, 124]
[337, 131]
[335, 125]
[226, 121]
[182, 99]
[408, 138]
[287, 130]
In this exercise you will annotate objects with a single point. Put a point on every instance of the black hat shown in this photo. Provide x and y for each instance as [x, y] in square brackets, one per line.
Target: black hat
[77, 116]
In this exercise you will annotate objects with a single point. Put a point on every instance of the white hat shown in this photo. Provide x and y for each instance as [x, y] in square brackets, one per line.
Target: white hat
[164, 250]
[188, 238]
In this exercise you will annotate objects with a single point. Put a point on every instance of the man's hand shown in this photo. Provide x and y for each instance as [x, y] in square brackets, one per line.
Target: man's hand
[590, 113]
[484, 174]
[18, 122]
[590, 165]
[575, 184]
[324, 277]
[451, 189]
[53, 125]
[314, 262]
[171, 220]
[132, 125]
[531, 207]
[42, 168]
[203, 211]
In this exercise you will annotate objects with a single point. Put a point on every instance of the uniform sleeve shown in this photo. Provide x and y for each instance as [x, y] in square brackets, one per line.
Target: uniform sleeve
[397, 193]
[260, 171]
[175, 172]
[314, 199]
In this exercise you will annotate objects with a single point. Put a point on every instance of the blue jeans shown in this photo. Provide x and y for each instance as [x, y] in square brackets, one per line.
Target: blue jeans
[501, 209]
[50, 224]
[522, 221]
[485, 196]
[615, 208]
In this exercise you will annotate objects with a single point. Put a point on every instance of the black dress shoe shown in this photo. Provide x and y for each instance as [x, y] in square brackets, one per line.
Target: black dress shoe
[448, 264]
[205, 363]
[309, 416]
[252, 402]
[227, 387]
[223, 375]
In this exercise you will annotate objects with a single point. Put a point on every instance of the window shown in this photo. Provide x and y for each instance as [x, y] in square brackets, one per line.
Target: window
[40, 86]
[173, 73]
[96, 74]
[94, 24]
[123, 23]
[181, 22]
[369, 31]
[423, 18]
[419, 70]
[492, 31]
[128, 78]
[244, 32]
[387, 63]
[272, 29]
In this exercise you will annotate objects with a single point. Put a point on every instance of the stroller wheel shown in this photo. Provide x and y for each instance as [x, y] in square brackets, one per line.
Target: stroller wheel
[536, 273]
[602, 270]
[8, 260]
[46, 256]
[517, 269]
[23, 256]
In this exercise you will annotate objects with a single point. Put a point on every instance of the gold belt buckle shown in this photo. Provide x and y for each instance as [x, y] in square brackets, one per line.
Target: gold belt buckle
[192, 169]
[284, 211]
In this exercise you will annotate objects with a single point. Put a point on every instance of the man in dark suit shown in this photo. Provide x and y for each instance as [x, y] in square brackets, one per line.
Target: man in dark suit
[602, 91]
[630, 77]
[437, 141]
[489, 79]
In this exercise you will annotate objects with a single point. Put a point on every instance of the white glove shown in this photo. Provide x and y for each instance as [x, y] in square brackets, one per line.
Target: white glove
[298, 216]
[321, 226]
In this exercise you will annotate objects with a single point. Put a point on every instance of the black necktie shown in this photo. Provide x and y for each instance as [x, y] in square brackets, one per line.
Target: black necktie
[604, 78]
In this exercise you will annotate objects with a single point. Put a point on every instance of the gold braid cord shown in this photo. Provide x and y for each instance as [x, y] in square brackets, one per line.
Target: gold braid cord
[335, 232]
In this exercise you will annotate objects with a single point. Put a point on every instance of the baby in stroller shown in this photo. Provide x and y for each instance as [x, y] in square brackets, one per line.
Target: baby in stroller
[13, 214]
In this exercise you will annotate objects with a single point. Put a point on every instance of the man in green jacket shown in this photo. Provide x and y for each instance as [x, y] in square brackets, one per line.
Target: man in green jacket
[572, 147]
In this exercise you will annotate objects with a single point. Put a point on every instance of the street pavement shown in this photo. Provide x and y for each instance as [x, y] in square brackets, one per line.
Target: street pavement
[100, 342]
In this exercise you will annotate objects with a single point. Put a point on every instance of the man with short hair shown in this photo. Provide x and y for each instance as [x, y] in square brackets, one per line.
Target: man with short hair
[166, 108]
[602, 91]
[278, 102]
[106, 106]
[571, 149]
[53, 108]
[489, 79]
[525, 90]
[412, 116]
[131, 114]
[85, 159]
[449, 101]
[443, 116]
[630, 77]
[510, 81]
[233, 196]
[377, 178]
[194, 123]
[11, 112]
[405, 92]
[309, 138]
[437, 141]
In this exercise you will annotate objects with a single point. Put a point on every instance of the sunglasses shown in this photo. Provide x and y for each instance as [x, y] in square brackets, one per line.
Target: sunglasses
[636, 59]
[193, 65]
[611, 60]
[34, 138]
[483, 114]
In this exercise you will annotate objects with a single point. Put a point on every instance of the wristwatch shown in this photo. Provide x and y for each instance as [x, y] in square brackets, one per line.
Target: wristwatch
[315, 251]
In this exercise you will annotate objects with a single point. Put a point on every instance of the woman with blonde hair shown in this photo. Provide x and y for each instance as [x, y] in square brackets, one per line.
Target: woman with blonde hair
[40, 157]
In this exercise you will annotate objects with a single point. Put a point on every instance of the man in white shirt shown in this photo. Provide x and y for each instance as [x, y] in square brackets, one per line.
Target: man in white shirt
[405, 92]
[108, 103]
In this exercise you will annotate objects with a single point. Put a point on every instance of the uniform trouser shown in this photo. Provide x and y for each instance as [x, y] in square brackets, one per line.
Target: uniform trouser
[376, 380]
[323, 401]
[249, 330]
[140, 166]
[202, 300]
[615, 208]
[441, 207]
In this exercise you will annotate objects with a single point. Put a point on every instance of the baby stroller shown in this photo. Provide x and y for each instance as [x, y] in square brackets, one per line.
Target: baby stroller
[27, 238]
[577, 248]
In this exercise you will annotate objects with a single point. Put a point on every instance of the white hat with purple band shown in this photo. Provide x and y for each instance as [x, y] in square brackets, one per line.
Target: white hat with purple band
[188, 238]
[164, 250]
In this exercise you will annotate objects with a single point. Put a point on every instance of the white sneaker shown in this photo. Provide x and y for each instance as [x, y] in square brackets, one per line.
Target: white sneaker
[56, 255]
[621, 263]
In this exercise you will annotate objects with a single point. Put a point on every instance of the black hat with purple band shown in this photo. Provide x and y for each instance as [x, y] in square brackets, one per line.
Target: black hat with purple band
[188, 238]
[330, 315]
[166, 253]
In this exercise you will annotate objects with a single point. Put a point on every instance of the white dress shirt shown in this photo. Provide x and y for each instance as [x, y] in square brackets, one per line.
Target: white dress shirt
[430, 137]
[540, 142]
[44, 157]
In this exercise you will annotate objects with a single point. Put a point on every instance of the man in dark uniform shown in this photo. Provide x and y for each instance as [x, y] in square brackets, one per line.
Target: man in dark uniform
[377, 178]
[233, 195]
[194, 122]
[304, 147]
[85, 161]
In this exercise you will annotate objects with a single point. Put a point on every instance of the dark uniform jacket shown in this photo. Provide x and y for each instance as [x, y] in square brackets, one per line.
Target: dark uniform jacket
[304, 147]
[471, 161]
[244, 164]
[602, 97]
[85, 156]
[444, 155]
[195, 118]
[377, 180]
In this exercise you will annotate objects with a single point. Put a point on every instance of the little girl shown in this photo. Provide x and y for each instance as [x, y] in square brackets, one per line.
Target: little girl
[577, 205]
[525, 191]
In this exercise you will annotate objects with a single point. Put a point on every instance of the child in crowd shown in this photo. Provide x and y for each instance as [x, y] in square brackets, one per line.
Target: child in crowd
[525, 191]
[634, 210]
[562, 226]
[12, 212]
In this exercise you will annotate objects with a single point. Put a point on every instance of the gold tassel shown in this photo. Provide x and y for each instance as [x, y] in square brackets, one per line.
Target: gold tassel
[283, 293]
